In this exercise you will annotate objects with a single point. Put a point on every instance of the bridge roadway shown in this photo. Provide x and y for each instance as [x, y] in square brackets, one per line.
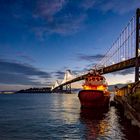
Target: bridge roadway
[115, 67]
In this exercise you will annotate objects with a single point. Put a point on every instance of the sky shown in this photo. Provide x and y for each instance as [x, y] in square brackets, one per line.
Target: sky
[40, 39]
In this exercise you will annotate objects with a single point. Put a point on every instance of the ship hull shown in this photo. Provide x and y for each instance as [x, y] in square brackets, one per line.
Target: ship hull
[93, 99]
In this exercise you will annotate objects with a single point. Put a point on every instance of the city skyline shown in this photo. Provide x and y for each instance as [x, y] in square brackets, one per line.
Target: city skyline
[39, 40]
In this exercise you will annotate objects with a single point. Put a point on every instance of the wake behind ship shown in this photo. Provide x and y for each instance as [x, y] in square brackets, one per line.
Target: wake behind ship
[94, 93]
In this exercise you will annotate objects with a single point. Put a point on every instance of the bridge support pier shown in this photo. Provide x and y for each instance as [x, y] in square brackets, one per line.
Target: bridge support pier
[68, 88]
[137, 65]
[61, 88]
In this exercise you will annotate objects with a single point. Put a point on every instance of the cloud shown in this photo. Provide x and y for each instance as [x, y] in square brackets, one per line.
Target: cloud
[48, 9]
[86, 68]
[25, 57]
[28, 58]
[67, 25]
[18, 73]
[58, 17]
[88, 4]
[61, 17]
[118, 6]
[12, 78]
[124, 72]
[11, 67]
[90, 58]
[59, 74]
[44, 17]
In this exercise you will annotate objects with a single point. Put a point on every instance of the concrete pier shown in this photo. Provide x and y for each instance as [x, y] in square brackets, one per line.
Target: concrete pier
[129, 112]
[128, 98]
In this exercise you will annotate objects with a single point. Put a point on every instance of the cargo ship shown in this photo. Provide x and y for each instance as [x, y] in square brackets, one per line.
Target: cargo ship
[95, 92]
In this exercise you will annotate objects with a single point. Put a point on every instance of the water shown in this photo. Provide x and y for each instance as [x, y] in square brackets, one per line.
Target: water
[58, 117]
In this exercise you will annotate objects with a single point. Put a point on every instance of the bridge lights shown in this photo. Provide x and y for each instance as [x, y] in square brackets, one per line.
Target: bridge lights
[123, 58]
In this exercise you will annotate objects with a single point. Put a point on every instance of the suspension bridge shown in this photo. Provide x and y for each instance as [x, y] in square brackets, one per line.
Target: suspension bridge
[123, 54]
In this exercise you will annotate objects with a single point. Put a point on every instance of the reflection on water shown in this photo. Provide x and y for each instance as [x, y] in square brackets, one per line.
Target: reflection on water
[58, 116]
[93, 120]
[107, 124]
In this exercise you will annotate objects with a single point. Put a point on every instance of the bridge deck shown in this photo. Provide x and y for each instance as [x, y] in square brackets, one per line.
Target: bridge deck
[115, 67]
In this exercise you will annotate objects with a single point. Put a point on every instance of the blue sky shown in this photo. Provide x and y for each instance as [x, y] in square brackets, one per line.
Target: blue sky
[40, 39]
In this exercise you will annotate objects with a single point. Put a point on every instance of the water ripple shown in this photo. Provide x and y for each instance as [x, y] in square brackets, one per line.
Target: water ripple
[58, 117]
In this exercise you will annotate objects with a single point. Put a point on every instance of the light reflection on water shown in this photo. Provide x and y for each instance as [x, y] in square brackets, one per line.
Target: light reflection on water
[102, 124]
[58, 116]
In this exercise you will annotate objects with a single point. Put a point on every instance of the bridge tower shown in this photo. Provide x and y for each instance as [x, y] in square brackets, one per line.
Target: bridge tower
[137, 65]
[68, 86]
